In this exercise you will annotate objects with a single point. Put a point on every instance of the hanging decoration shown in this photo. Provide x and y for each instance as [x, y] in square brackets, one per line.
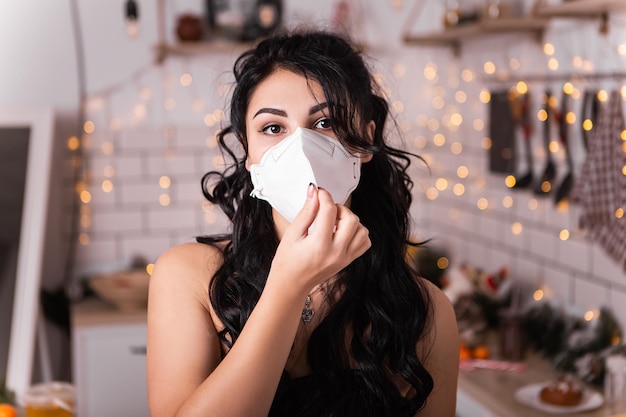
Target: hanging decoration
[265, 18]
[544, 185]
[502, 134]
[565, 187]
[589, 117]
[132, 15]
[603, 188]
[521, 111]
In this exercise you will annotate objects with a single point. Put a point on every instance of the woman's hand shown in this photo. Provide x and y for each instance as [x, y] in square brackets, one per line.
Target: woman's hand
[311, 255]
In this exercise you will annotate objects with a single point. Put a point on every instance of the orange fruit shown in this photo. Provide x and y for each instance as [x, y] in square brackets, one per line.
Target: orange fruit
[7, 410]
[481, 352]
[465, 353]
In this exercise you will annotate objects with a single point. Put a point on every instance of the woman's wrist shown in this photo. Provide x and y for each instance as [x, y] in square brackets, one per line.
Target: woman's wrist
[287, 287]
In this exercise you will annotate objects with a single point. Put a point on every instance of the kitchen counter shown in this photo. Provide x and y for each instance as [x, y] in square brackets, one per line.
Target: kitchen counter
[93, 311]
[495, 390]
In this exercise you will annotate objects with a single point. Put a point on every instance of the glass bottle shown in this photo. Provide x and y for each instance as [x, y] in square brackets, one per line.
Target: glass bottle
[451, 15]
[615, 383]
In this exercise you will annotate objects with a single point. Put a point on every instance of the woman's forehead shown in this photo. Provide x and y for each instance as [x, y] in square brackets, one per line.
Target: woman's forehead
[284, 87]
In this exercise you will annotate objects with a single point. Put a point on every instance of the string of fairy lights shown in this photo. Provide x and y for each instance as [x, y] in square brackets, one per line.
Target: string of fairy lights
[113, 125]
[440, 131]
[452, 121]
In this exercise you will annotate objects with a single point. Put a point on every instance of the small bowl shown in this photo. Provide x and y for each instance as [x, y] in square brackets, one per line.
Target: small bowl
[127, 290]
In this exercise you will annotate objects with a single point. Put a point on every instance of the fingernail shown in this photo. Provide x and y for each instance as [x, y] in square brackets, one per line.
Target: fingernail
[309, 190]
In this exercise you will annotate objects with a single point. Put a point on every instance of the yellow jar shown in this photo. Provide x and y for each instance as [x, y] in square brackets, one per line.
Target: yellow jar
[50, 399]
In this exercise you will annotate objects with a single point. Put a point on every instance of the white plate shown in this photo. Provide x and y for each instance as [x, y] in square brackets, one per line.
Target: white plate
[529, 395]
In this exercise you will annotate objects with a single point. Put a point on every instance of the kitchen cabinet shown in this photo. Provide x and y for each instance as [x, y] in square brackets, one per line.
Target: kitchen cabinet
[109, 361]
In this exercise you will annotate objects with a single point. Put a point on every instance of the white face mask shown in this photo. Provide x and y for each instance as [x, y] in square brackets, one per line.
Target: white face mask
[285, 171]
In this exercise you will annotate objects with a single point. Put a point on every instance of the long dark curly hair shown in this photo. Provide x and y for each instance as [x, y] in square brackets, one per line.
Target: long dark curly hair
[383, 309]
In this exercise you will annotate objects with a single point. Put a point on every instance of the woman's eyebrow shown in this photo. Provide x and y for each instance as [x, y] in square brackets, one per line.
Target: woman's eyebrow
[270, 110]
[318, 107]
[283, 113]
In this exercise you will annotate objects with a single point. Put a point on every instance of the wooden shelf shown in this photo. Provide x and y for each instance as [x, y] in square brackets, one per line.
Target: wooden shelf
[165, 48]
[536, 23]
[218, 46]
[455, 35]
[579, 8]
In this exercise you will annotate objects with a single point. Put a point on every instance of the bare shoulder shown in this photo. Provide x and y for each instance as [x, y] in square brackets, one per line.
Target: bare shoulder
[187, 257]
[440, 353]
[185, 272]
[183, 346]
[443, 331]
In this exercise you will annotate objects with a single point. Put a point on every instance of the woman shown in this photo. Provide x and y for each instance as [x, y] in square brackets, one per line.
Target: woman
[308, 308]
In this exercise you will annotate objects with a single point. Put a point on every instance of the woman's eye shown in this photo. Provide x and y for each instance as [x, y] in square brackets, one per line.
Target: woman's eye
[272, 129]
[323, 123]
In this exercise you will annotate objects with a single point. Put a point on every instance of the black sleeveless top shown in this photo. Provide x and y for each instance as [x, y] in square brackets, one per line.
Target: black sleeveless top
[344, 395]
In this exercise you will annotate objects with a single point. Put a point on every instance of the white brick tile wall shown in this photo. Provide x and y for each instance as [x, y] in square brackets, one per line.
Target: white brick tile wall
[469, 220]
[604, 267]
[529, 206]
[520, 241]
[189, 191]
[185, 236]
[558, 284]
[173, 218]
[542, 242]
[98, 164]
[129, 167]
[491, 228]
[110, 221]
[479, 253]
[171, 163]
[144, 138]
[101, 198]
[213, 223]
[146, 192]
[574, 253]
[590, 294]
[194, 137]
[558, 218]
[148, 246]
[617, 304]
[95, 256]
[210, 161]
